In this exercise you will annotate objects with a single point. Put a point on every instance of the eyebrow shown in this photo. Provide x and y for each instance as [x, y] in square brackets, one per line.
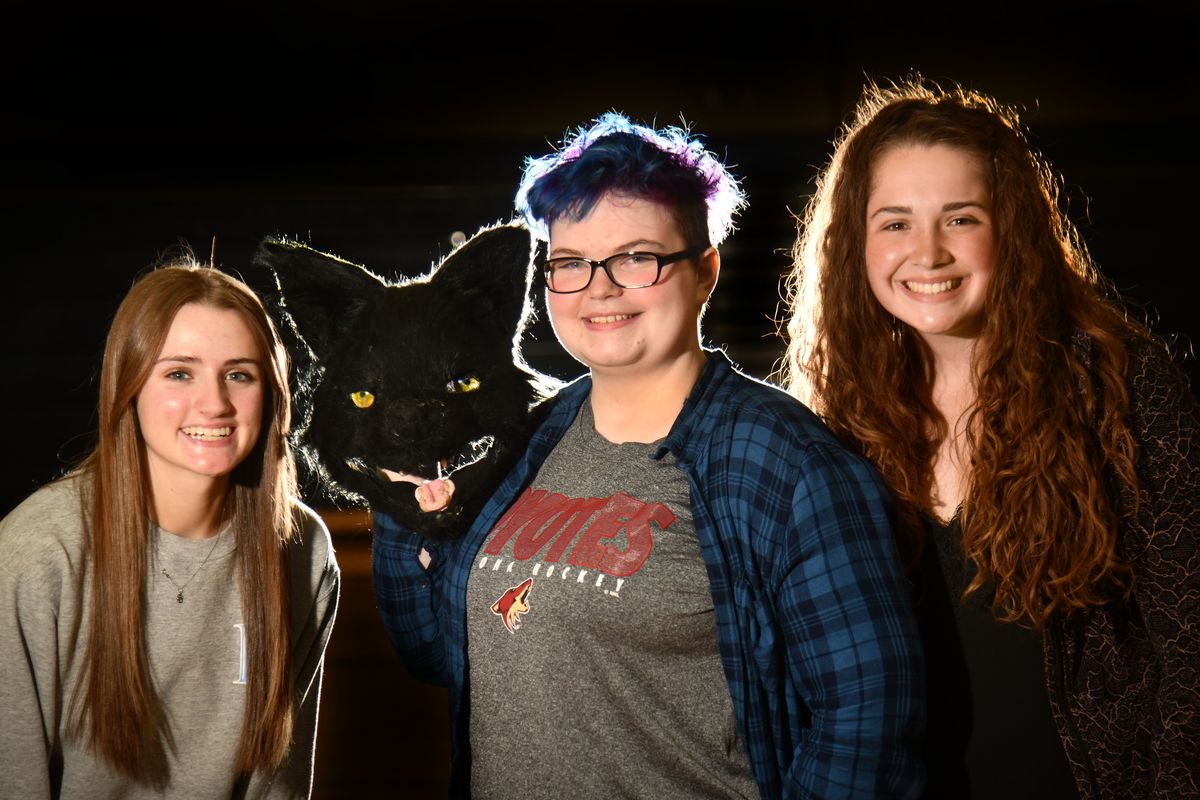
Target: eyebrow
[627, 247]
[958, 205]
[194, 360]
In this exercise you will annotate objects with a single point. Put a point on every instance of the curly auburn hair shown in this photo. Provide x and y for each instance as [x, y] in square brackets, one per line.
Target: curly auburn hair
[1047, 433]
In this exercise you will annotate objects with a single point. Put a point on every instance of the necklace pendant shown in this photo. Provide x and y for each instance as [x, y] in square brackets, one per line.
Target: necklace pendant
[179, 597]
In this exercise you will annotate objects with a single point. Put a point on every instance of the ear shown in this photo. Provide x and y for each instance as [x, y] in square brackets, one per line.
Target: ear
[319, 292]
[492, 271]
[708, 268]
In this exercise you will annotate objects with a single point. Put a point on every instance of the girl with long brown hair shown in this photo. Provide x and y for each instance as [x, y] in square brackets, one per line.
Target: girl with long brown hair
[947, 323]
[164, 608]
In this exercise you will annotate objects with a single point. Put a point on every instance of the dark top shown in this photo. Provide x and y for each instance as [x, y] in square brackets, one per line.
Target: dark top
[991, 733]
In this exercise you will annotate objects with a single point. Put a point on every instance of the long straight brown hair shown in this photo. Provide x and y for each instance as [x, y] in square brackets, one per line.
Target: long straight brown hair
[116, 708]
[1048, 433]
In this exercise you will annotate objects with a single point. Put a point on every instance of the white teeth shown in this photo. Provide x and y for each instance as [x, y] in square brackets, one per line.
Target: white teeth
[932, 288]
[472, 454]
[197, 432]
[396, 477]
[609, 318]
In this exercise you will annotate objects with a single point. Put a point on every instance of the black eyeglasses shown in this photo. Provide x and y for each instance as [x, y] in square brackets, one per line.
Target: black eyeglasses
[627, 270]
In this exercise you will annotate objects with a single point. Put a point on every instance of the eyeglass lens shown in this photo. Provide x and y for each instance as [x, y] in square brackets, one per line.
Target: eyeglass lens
[627, 270]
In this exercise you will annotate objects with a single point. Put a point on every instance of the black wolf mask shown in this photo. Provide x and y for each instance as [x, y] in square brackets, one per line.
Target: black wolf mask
[417, 380]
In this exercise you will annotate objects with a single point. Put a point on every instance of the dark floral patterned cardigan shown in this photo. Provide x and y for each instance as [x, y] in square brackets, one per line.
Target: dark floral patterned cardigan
[1124, 678]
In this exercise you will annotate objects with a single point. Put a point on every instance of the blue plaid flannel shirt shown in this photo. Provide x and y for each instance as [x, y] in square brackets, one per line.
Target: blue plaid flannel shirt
[815, 626]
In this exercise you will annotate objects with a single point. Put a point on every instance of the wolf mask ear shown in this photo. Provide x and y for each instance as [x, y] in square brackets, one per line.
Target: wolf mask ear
[491, 271]
[321, 293]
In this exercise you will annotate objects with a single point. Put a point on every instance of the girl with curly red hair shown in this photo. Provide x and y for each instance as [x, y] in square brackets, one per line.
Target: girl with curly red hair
[947, 323]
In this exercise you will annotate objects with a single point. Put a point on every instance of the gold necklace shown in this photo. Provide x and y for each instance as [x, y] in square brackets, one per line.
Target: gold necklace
[179, 597]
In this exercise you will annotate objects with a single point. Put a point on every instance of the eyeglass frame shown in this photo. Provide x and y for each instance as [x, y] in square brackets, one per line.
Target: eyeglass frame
[661, 261]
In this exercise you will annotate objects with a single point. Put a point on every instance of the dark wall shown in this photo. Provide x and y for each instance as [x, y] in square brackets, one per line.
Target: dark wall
[376, 133]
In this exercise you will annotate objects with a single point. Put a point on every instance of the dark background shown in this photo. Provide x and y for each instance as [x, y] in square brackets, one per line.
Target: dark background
[376, 131]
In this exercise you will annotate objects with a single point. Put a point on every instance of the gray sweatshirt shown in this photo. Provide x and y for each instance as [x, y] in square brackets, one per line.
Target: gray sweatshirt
[196, 652]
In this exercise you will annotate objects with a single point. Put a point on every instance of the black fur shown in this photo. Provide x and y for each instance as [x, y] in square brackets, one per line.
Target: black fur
[407, 344]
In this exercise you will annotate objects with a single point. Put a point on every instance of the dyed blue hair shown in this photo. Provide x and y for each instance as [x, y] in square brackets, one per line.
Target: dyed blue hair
[615, 155]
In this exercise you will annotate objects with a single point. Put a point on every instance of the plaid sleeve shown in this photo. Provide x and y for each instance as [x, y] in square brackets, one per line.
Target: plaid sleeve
[841, 615]
[407, 597]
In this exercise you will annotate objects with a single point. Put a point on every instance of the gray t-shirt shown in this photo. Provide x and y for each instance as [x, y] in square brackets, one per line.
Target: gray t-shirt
[593, 660]
[195, 648]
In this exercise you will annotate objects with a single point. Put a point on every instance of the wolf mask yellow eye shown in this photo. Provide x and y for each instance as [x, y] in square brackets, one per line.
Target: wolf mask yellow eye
[362, 399]
[463, 384]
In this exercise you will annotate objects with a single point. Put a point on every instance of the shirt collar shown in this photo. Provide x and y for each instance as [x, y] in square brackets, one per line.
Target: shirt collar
[695, 418]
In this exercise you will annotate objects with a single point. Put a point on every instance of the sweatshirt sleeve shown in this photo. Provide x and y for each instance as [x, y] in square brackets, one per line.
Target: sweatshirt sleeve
[316, 584]
[31, 584]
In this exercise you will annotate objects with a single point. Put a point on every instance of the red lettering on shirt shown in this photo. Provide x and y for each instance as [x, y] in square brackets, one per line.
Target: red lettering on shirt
[572, 526]
[534, 505]
[566, 521]
[620, 512]
[542, 520]
[621, 563]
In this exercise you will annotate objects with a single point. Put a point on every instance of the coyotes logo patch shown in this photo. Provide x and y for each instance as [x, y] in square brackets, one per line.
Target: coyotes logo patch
[512, 604]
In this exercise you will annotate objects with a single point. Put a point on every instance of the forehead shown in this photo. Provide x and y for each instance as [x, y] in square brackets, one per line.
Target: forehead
[199, 329]
[911, 167]
[615, 221]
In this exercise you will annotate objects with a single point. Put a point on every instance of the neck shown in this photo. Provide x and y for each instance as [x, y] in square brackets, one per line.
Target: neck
[954, 390]
[194, 511]
[951, 354]
[953, 366]
[954, 395]
[642, 407]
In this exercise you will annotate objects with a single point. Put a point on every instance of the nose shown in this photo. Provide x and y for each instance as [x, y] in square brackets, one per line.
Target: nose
[214, 399]
[414, 414]
[601, 285]
[929, 249]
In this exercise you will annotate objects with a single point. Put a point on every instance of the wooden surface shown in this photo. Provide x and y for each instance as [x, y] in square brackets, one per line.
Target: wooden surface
[381, 734]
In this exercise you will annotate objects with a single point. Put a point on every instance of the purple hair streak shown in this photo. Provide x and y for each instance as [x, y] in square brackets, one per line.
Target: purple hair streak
[615, 155]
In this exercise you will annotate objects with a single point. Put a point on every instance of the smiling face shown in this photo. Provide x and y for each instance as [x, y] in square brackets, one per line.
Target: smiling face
[623, 331]
[200, 411]
[931, 239]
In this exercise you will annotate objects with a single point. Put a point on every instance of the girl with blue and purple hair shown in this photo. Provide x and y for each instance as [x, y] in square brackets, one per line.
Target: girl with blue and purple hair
[686, 587]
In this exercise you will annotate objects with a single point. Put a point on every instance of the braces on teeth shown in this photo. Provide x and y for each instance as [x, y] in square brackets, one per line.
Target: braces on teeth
[207, 433]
